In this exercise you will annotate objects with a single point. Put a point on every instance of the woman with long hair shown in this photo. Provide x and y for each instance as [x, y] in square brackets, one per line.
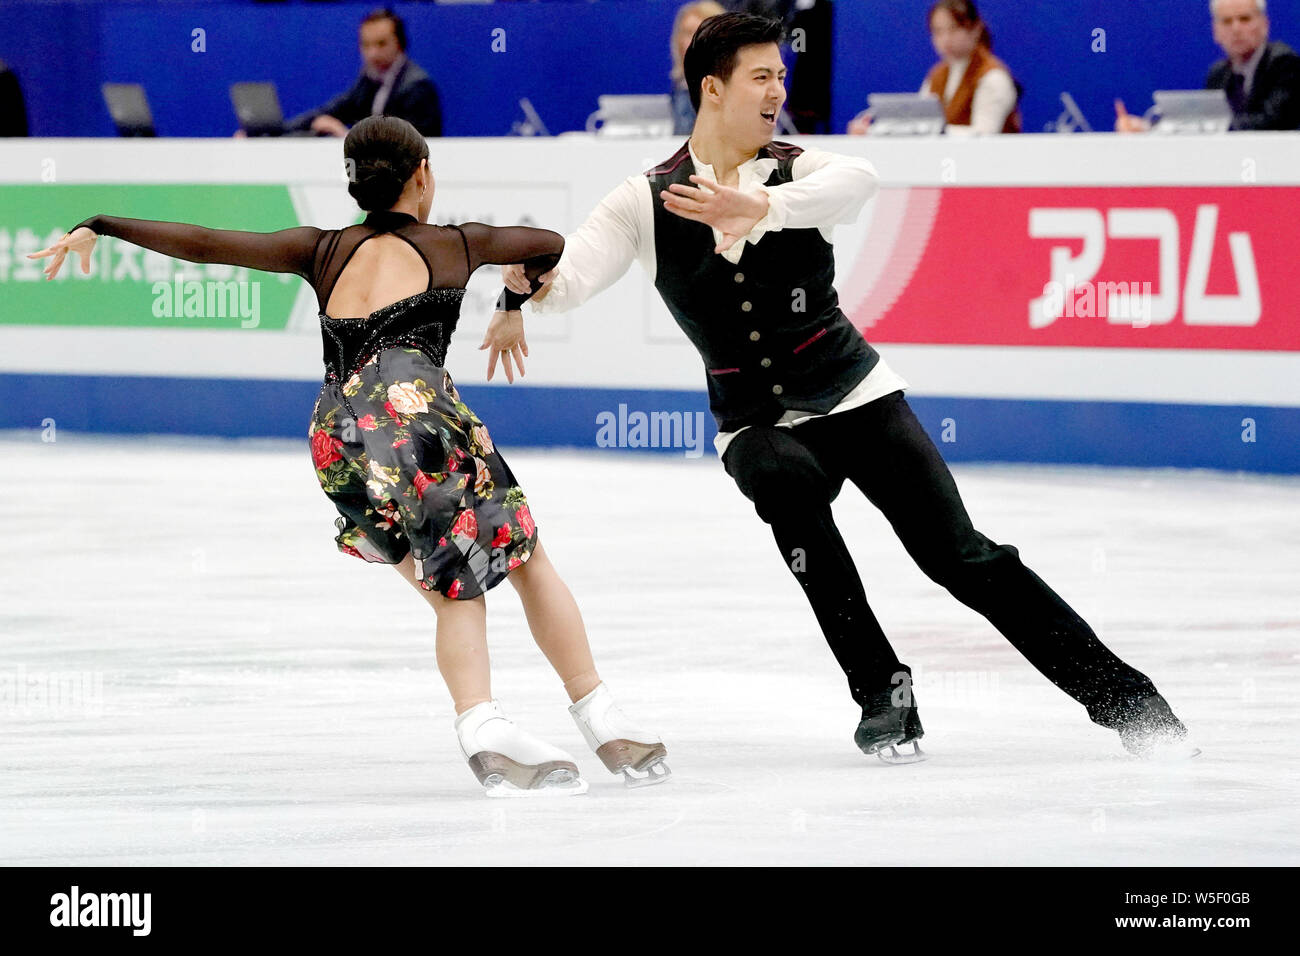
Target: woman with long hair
[412, 471]
[978, 93]
[975, 87]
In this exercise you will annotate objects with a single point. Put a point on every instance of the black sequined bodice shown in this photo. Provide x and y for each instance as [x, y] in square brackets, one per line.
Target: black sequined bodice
[424, 321]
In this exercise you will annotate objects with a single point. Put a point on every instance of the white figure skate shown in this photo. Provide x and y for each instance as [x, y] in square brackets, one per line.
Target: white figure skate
[637, 755]
[510, 762]
[1154, 733]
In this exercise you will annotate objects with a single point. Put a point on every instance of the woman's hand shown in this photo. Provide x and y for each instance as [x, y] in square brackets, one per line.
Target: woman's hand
[81, 241]
[860, 125]
[516, 280]
[505, 339]
[730, 211]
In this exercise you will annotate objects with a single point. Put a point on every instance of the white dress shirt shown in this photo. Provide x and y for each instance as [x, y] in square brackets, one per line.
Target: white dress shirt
[1249, 68]
[827, 189]
[995, 99]
[387, 79]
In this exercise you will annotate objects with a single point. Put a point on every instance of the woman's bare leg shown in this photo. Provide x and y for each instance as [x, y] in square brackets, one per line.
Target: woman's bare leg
[556, 623]
[461, 643]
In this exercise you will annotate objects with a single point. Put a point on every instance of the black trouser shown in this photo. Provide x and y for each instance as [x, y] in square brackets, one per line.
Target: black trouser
[793, 474]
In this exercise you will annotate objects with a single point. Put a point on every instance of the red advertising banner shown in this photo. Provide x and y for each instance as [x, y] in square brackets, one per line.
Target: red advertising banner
[1132, 267]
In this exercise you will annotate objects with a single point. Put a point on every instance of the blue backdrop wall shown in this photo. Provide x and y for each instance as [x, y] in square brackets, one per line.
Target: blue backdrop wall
[561, 55]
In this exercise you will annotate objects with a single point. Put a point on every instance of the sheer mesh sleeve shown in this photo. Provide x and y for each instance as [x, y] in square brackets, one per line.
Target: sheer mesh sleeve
[289, 250]
[538, 249]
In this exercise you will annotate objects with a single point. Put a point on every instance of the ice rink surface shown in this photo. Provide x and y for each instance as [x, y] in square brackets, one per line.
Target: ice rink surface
[192, 674]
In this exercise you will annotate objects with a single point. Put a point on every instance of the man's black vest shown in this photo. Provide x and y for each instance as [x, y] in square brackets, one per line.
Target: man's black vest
[769, 328]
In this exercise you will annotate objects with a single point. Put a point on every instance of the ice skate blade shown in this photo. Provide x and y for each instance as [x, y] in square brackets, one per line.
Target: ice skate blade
[618, 755]
[893, 757]
[653, 773]
[1170, 752]
[569, 787]
[1161, 746]
[501, 776]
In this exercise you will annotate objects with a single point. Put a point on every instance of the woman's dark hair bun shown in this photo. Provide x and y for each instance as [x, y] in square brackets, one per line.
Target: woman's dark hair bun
[380, 155]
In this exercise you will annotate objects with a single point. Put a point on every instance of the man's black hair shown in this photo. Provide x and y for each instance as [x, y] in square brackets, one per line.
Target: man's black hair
[399, 27]
[716, 43]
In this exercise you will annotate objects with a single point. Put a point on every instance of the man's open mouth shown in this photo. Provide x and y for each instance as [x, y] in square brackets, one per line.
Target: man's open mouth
[769, 115]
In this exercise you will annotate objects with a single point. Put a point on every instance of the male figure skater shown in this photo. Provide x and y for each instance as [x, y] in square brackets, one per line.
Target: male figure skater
[744, 263]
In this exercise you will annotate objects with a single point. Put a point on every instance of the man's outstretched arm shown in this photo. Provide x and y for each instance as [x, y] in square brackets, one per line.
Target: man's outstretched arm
[828, 189]
[597, 254]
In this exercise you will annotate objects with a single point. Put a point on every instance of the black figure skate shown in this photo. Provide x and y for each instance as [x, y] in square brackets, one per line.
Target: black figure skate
[890, 718]
[1152, 731]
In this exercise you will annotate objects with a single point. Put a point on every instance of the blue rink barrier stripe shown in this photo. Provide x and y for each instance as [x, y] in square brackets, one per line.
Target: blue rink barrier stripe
[1142, 434]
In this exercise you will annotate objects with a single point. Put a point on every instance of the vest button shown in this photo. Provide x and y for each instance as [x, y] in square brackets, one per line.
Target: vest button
[746, 306]
[754, 336]
[777, 390]
[766, 363]
[740, 277]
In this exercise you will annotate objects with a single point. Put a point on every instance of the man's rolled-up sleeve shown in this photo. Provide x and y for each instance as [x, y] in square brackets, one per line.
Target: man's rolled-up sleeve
[598, 253]
[828, 189]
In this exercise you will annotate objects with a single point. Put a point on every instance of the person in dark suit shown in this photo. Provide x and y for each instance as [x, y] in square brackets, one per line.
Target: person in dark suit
[13, 111]
[391, 84]
[1262, 79]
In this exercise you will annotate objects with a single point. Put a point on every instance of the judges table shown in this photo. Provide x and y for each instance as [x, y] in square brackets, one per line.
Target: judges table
[1085, 298]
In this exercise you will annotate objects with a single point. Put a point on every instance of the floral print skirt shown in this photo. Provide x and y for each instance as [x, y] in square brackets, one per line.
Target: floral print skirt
[411, 469]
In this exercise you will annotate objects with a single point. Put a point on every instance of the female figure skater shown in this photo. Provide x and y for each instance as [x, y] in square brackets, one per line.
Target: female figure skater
[411, 469]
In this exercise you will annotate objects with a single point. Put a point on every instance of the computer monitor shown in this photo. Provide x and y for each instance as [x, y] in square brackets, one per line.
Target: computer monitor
[129, 108]
[905, 114]
[257, 108]
[632, 116]
[1193, 111]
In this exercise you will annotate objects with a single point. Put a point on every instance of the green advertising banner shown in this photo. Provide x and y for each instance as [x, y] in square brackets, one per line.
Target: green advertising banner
[135, 287]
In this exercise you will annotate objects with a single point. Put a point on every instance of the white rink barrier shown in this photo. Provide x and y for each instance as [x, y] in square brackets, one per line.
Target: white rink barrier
[1089, 298]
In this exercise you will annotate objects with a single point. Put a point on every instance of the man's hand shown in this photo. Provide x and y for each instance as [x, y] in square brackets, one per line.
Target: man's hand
[730, 211]
[505, 339]
[517, 281]
[81, 241]
[329, 125]
[1126, 123]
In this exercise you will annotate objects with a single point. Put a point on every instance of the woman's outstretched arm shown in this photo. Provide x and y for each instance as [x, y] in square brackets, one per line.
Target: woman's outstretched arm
[289, 250]
[538, 250]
